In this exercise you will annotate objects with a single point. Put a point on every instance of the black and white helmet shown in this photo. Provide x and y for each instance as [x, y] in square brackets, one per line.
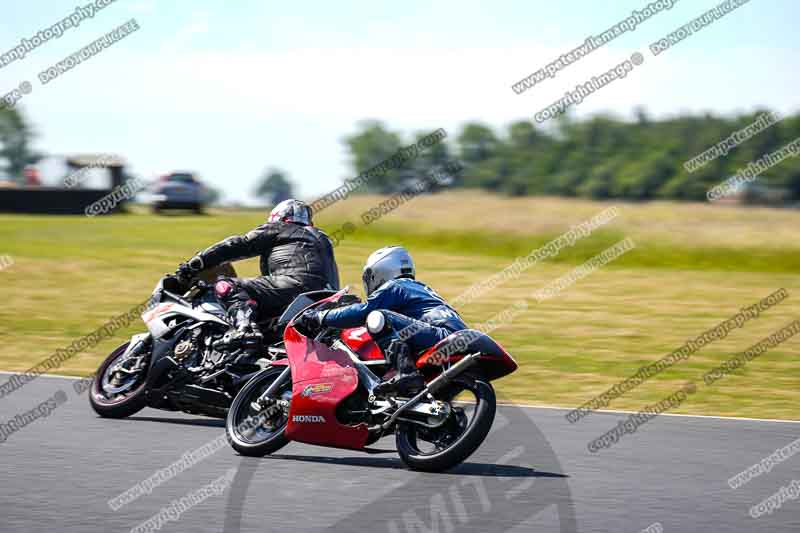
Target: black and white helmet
[293, 211]
[388, 263]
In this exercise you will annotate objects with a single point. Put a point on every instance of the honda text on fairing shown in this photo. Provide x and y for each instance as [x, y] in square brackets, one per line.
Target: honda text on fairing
[322, 394]
[188, 361]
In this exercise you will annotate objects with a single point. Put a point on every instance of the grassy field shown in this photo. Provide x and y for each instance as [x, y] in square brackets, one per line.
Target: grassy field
[693, 267]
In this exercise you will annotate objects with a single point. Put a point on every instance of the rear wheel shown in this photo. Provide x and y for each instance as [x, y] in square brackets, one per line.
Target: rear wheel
[473, 406]
[118, 389]
[259, 431]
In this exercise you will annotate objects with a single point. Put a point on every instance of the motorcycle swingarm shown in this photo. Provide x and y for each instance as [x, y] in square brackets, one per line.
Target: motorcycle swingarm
[420, 413]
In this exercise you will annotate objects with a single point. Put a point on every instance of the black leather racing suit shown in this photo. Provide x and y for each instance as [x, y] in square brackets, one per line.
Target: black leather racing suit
[294, 259]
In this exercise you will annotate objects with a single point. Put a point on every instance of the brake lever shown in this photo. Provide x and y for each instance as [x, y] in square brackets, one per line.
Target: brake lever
[197, 288]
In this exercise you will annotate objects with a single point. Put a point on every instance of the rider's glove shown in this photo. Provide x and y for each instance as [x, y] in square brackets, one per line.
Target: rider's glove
[311, 320]
[190, 268]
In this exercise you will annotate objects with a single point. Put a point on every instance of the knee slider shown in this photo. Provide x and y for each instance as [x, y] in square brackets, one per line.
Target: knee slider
[377, 323]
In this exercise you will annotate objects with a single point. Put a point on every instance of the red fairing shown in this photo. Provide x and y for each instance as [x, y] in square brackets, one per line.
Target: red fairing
[322, 378]
[360, 341]
[492, 366]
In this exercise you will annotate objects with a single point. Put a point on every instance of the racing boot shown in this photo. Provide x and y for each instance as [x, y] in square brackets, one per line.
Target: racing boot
[242, 312]
[248, 338]
[247, 334]
[407, 381]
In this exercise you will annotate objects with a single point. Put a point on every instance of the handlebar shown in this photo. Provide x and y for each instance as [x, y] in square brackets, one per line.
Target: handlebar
[195, 289]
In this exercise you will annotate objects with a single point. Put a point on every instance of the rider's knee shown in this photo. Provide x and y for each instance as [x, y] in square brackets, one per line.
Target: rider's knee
[224, 289]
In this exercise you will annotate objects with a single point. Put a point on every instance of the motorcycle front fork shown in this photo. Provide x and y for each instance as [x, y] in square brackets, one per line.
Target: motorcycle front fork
[266, 397]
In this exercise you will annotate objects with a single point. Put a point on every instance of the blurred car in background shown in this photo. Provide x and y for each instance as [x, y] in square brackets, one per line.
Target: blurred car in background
[179, 190]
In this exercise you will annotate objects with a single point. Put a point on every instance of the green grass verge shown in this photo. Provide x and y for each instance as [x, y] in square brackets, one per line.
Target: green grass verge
[71, 274]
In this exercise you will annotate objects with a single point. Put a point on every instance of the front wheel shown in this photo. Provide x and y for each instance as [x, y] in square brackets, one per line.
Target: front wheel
[256, 431]
[473, 405]
[118, 389]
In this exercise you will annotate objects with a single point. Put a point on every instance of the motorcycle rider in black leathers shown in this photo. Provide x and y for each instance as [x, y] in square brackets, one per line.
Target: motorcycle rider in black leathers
[296, 257]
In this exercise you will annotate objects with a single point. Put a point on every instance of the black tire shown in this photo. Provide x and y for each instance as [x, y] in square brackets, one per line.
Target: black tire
[121, 407]
[240, 411]
[465, 444]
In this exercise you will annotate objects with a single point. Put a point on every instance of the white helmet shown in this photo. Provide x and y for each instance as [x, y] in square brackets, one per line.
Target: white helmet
[293, 211]
[388, 263]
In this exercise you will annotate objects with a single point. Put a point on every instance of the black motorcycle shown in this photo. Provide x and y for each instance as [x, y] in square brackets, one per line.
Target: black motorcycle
[190, 360]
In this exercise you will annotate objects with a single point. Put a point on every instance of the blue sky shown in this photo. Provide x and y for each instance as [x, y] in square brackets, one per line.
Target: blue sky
[229, 88]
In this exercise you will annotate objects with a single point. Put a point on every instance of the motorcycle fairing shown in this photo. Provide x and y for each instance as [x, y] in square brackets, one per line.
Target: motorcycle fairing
[156, 318]
[495, 361]
[321, 379]
[360, 341]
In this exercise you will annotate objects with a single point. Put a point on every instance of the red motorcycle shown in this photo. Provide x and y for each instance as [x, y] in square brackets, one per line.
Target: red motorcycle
[322, 394]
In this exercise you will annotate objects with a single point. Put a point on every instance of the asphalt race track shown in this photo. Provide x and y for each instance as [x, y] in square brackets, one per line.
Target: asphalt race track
[534, 473]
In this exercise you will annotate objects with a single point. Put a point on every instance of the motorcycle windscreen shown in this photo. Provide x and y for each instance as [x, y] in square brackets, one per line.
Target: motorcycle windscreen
[322, 379]
[302, 302]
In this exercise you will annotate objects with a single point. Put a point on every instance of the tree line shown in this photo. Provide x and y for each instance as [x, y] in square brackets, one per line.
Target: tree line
[599, 157]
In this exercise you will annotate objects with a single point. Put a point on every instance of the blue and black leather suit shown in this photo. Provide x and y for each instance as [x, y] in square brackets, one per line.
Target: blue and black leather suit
[416, 313]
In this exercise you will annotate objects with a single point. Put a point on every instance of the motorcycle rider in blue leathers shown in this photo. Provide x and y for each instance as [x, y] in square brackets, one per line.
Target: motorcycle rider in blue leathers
[404, 316]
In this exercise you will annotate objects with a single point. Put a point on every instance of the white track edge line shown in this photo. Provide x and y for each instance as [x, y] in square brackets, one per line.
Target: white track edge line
[551, 407]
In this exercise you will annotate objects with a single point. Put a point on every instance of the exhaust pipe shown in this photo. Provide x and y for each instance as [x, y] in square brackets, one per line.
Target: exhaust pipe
[434, 386]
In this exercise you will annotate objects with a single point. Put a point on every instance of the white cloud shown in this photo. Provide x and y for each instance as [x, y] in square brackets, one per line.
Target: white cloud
[410, 85]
